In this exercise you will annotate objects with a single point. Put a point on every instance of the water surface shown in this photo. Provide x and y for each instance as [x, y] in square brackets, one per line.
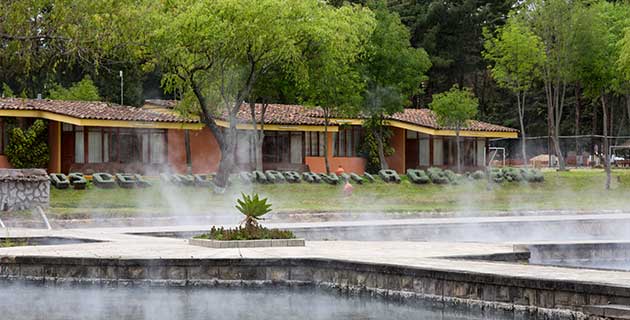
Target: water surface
[56, 303]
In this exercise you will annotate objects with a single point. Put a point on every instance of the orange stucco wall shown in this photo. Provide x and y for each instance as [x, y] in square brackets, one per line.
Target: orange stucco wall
[204, 151]
[397, 160]
[4, 162]
[54, 146]
[349, 164]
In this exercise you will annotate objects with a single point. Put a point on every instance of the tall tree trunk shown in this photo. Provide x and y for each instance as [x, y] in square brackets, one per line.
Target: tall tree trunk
[457, 143]
[520, 102]
[605, 129]
[188, 153]
[555, 90]
[380, 145]
[578, 107]
[259, 134]
[326, 163]
[226, 165]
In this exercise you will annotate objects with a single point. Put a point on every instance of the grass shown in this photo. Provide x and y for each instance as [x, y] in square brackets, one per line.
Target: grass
[573, 190]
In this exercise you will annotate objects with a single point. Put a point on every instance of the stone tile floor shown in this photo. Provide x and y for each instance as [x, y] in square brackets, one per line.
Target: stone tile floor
[427, 255]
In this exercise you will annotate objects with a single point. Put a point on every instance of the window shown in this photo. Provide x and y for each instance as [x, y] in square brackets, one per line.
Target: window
[245, 148]
[314, 144]
[118, 145]
[79, 145]
[346, 141]
[158, 147]
[95, 145]
[481, 152]
[424, 150]
[296, 147]
[276, 147]
[438, 152]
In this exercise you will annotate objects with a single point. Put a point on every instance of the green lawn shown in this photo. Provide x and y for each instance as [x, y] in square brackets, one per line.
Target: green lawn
[577, 189]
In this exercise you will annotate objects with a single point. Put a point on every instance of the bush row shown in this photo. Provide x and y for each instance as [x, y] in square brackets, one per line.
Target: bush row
[431, 175]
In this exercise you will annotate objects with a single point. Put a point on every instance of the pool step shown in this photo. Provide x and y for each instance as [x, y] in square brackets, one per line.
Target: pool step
[608, 311]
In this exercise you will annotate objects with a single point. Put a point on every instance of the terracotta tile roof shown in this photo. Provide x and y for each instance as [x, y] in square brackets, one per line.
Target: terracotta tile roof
[301, 115]
[426, 118]
[90, 110]
[280, 114]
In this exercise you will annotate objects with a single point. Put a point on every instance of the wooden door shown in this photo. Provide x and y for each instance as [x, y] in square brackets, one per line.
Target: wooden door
[412, 154]
[67, 151]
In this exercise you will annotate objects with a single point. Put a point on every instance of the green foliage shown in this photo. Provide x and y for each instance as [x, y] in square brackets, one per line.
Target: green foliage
[28, 148]
[437, 176]
[454, 107]
[478, 175]
[253, 207]
[84, 90]
[451, 33]
[394, 70]
[220, 49]
[240, 233]
[516, 53]
[6, 91]
[56, 41]
[509, 174]
[369, 145]
[8, 243]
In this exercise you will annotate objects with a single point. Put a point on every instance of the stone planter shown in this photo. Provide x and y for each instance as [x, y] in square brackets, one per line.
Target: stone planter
[220, 244]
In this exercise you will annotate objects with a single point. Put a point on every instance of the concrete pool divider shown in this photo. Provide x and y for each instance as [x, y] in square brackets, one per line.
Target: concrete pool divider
[221, 244]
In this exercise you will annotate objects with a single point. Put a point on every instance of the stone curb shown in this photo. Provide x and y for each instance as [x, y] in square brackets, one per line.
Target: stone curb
[219, 244]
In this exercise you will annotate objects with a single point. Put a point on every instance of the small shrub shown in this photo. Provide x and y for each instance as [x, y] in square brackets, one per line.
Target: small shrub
[28, 148]
[532, 175]
[478, 175]
[437, 176]
[496, 175]
[245, 233]
[512, 174]
[452, 177]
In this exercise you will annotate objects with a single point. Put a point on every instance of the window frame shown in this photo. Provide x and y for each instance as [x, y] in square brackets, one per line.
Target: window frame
[344, 149]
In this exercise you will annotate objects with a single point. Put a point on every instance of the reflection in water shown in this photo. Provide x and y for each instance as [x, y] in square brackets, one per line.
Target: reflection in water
[55, 303]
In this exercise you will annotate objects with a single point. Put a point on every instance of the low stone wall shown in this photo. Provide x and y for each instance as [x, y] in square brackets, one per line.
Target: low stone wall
[528, 295]
[22, 189]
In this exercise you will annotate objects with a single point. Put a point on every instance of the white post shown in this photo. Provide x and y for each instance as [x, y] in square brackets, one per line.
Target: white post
[121, 87]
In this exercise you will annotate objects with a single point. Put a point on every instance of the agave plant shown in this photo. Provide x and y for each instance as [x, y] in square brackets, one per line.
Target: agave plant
[253, 207]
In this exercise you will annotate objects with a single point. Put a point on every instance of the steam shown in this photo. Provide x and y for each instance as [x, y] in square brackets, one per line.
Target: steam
[29, 302]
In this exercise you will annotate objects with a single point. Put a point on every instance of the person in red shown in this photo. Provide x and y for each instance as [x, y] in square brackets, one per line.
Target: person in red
[347, 188]
[340, 171]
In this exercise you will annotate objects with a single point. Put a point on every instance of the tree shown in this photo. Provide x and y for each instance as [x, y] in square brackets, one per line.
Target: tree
[551, 21]
[334, 82]
[6, 91]
[517, 56]
[60, 41]
[453, 109]
[84, 90]
[597, 35]
[218, 49]
[394, 71]
[451, 32]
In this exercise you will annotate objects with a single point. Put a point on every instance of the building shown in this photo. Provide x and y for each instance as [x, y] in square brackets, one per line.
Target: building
[99, 136]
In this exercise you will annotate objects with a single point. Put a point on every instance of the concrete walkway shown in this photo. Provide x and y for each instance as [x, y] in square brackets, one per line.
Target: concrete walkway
[118, 244]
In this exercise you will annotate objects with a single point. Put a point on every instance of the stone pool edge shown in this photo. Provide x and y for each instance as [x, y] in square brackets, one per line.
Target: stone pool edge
[557, 298]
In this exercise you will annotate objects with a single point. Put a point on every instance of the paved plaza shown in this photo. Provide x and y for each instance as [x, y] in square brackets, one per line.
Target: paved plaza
[119, 243]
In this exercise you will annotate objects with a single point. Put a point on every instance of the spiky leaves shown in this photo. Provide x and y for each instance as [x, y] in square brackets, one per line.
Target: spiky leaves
[253, 207]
